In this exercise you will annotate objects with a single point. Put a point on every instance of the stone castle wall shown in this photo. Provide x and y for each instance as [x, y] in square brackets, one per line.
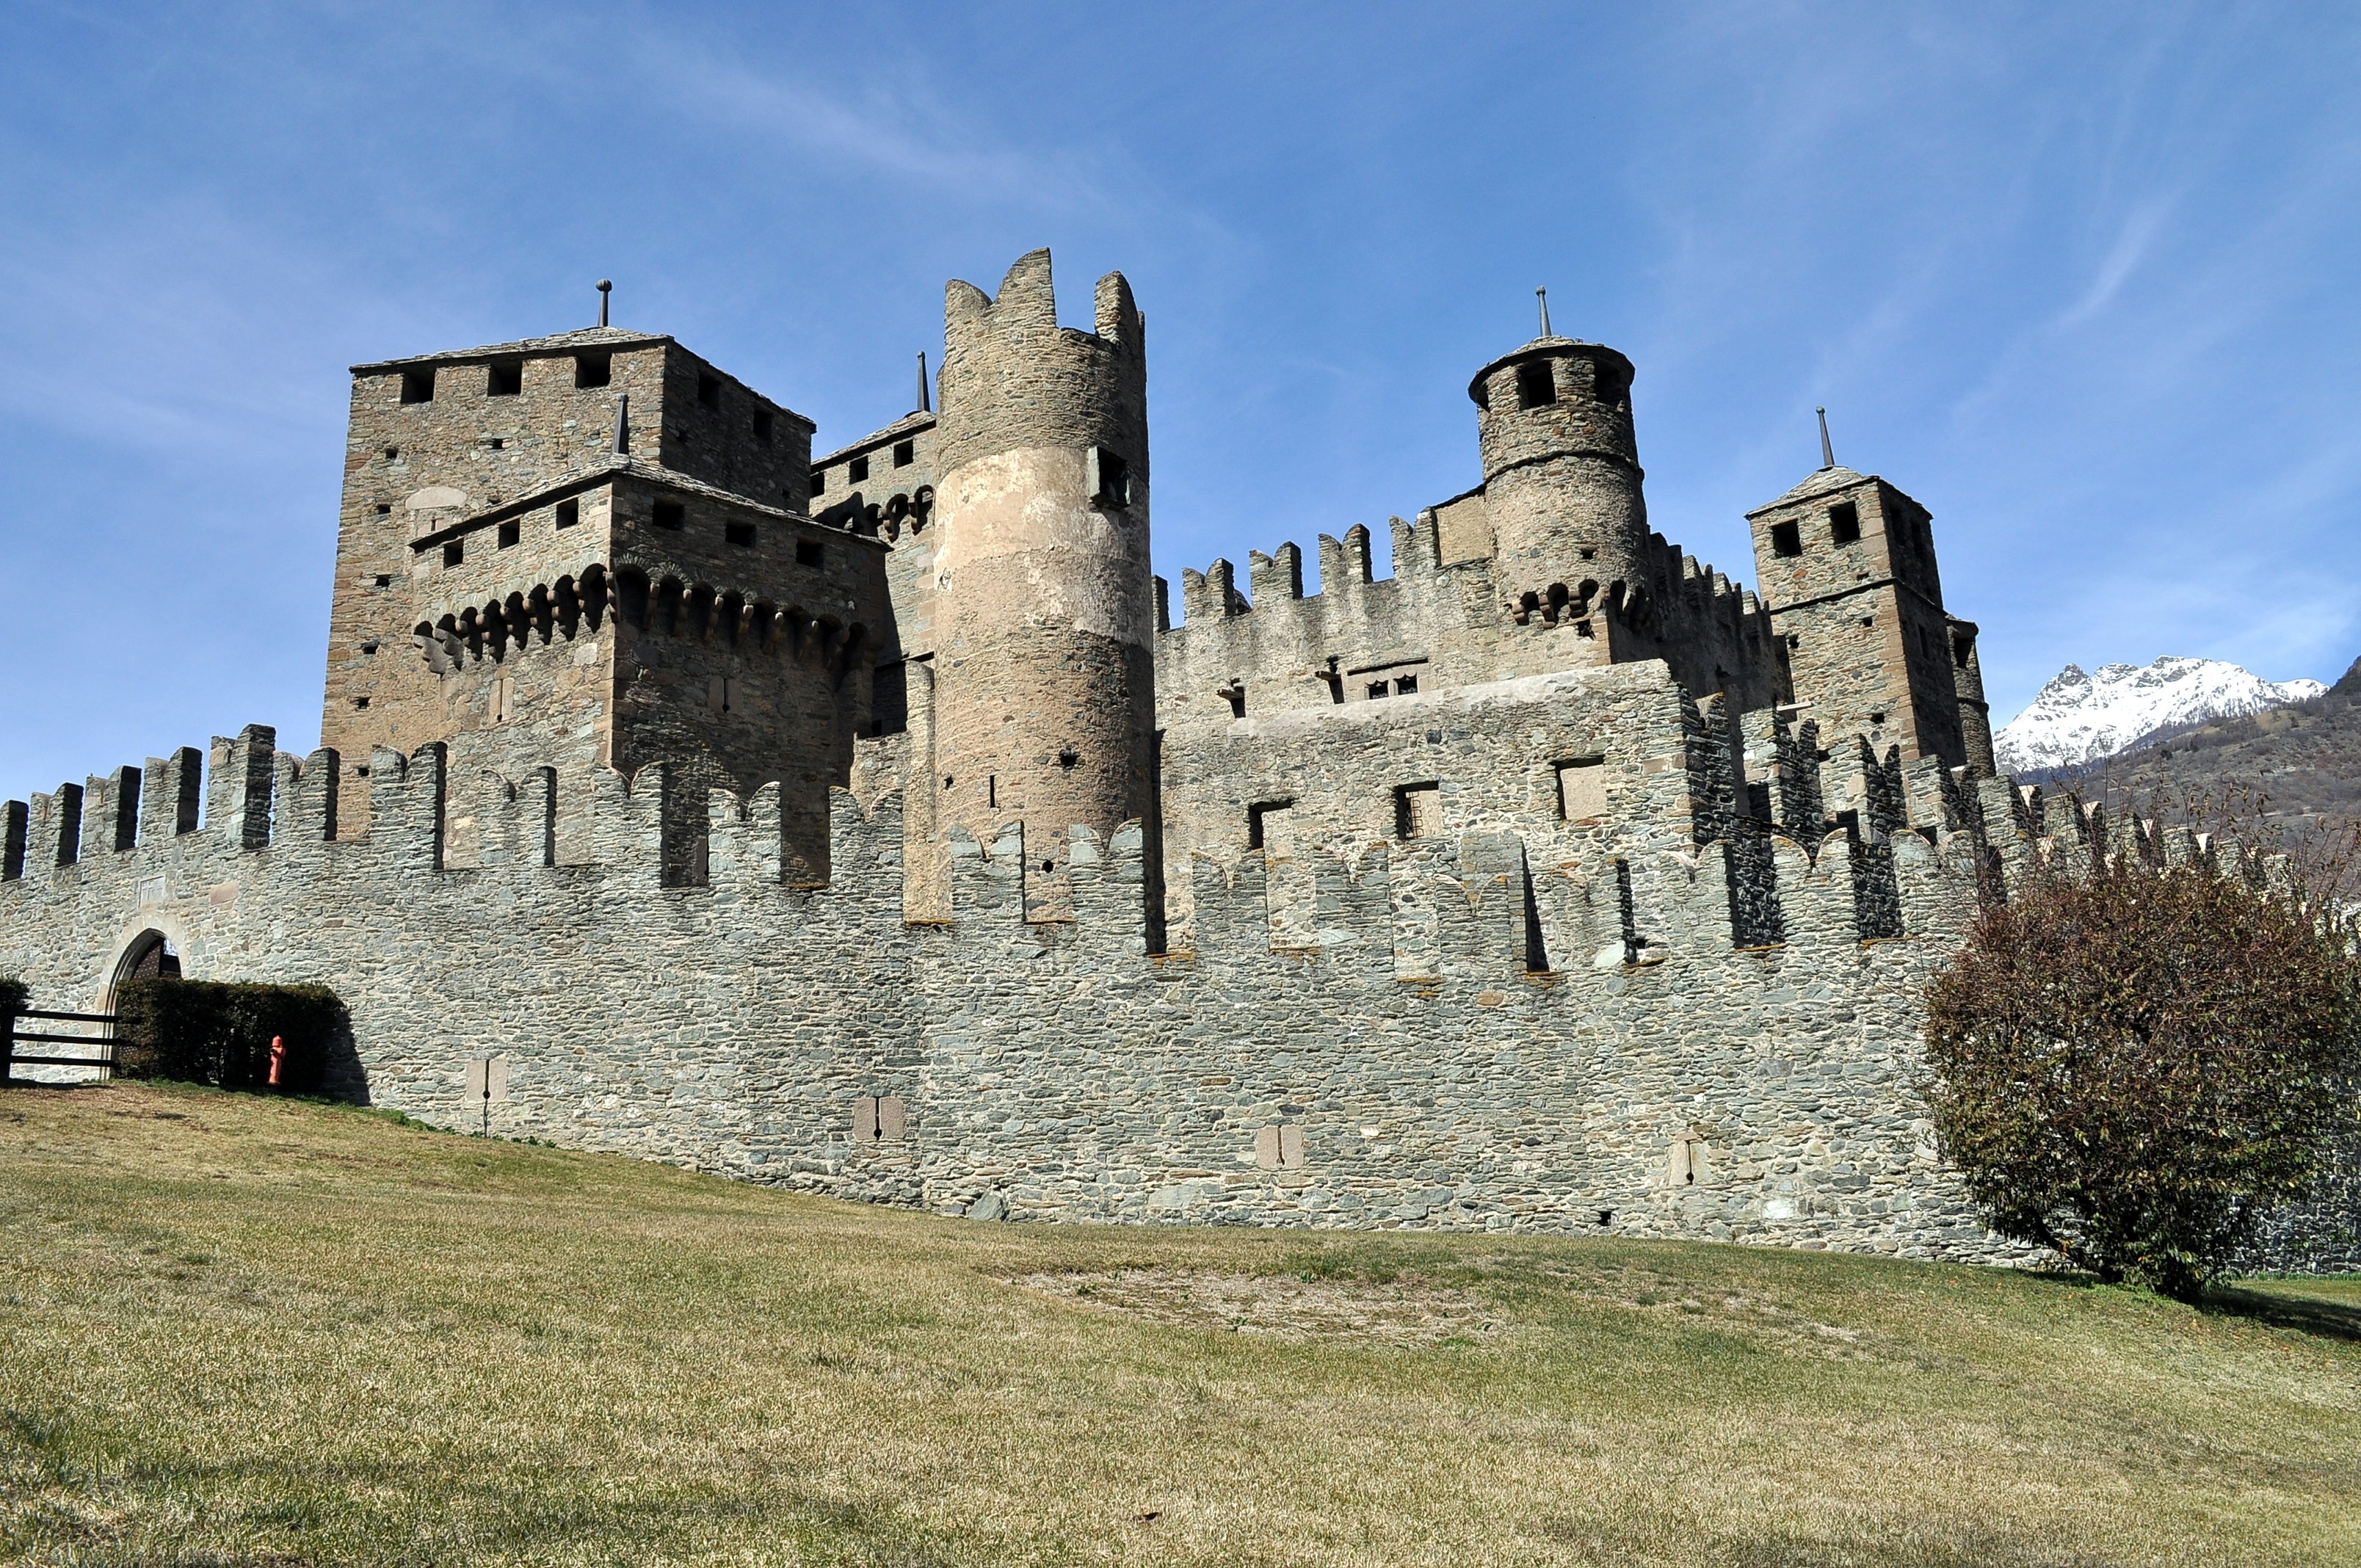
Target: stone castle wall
[1483, 1014]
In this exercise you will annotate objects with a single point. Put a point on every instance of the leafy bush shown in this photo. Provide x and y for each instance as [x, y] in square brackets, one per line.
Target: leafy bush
[207, 1032]
[2132, 1064]
[13, 993]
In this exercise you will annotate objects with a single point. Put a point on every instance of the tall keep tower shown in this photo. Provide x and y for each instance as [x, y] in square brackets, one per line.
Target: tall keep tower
[1043, 614]
[1562, 478]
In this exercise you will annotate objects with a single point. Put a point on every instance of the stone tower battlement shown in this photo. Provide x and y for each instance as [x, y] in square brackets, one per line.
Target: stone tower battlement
[868, 823]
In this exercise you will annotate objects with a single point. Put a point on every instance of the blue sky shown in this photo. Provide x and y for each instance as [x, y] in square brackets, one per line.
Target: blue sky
[2080, 279]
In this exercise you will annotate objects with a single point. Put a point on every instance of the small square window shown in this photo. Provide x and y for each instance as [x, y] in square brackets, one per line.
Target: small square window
[809, 553]
[1844, 524]
[360, 702]
[385, 579]
[905, 454]
[510, 532]
[738, 534]
[856, 471]
[367, 650]
[709, 391]
[1379, 689]
[499, 443]
[504, 381]
[418, 386]
[1786, 539]
[762, 424]
[383, 507]
[1581, 789]
[670, 514]
[568, 513]
[454, 551]
[1406, 686]
[393, 454]
[593, 369]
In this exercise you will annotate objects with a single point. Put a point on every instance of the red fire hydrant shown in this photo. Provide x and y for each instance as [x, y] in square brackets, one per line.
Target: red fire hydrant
[277, 1058]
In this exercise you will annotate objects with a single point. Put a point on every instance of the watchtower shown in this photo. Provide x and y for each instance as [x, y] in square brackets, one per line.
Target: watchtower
[1562, 477]
[1043, 614]
[1848, 562]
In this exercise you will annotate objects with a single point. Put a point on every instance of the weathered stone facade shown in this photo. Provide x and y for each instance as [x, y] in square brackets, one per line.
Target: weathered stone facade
[867, 824]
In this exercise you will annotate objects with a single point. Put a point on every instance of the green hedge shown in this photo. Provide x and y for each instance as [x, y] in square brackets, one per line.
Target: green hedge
[204, 1032]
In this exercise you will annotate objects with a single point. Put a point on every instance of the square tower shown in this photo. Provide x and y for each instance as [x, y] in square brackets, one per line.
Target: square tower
[591, 549]
[1848, 562]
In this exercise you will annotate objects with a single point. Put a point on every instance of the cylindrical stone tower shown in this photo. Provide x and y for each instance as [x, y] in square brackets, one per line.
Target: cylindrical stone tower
[1975, 713]
[1045, 702]
[1561, 471]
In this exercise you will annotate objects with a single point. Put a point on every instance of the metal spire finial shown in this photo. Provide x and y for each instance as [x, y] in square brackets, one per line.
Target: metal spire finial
[925, 397]
[623, 422]
[1543, 295]
[606, 286]
[1827, 453]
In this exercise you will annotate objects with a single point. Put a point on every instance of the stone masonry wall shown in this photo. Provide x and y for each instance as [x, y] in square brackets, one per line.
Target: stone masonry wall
[1498, 1021]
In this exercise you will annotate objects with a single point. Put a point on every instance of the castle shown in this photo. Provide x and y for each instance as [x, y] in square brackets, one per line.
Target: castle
[870, 823]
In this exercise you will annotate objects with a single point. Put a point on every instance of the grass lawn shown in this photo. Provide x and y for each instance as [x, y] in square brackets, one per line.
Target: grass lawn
[235, 1330]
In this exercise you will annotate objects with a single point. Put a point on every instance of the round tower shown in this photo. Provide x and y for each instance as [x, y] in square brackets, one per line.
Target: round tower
[1045, 702]
[1561, 472]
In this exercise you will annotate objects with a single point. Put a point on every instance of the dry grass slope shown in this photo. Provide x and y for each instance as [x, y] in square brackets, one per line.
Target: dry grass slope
[255, 1333]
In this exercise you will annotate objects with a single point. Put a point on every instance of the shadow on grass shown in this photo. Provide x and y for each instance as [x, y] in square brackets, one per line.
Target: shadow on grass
[2306, 1314]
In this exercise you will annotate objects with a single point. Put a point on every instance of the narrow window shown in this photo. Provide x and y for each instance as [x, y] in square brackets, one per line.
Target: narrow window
[740, 533]
[1581, 789]
[905, 454]
[1686, 1166]
[498, 442]
[503, 705]
[1418, 810]
[809, 553]
[1406, 686]
[762, 424]
[671, 514]
[568, 513]
[418, 386]
[1234, 693]
[510, 532]
[1786, 539]
[717, 693]
[1844, 524]
[709, 391]
[991, 792]
[1280, 1148]
[1536, 384]
[819, 481]
[879, 1119]
[504, 381]
[593, 369]
[856, 471]
[454, 551]
[1110, 479]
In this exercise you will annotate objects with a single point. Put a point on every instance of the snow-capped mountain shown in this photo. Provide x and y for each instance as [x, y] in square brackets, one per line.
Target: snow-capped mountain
[2082, 718]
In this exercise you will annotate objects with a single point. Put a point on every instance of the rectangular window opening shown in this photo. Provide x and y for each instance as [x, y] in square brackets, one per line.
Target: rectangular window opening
[568, 513]
[1844, 524]
[819, 481]
[905, 454]
[1418, 810]
[1110, 479]
[856, 471]
[809, 553]
[1581, 789]
[763, 424]
[593, 369]
[1786, 539]
[510, 532]
[670, 515]
[1379, 689]
[709, 391]
[504, 381]
[418, 386]
[1406, 686]
[454, 551]
[1536, 384]
[740, 533]
[1261, 817]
